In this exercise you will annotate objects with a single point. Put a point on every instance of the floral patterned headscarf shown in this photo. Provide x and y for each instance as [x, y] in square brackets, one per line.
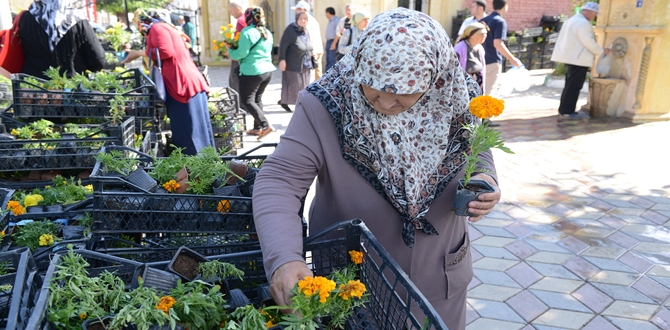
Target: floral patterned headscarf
[411, 157]
[255, 16]
[56, 17]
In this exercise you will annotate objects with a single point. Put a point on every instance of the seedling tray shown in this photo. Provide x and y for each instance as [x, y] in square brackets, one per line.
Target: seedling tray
[33, 101]
[17, 303]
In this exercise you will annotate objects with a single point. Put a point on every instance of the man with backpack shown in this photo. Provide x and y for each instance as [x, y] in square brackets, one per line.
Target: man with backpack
[345, 24]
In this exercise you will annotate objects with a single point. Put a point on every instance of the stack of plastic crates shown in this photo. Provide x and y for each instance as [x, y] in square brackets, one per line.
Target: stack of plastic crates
[228, 120]
[20, 285]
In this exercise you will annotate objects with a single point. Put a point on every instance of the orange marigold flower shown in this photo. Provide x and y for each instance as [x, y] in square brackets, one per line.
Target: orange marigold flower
[214, 42]
[356, 256]
[171, 186]
[486, 106]
[319, 284]
[165, 304]
[352, 289]
[16, 208]
[223, 206]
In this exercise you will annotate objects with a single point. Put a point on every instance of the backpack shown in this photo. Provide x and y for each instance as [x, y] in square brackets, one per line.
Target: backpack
[11, 51]
[347, 26]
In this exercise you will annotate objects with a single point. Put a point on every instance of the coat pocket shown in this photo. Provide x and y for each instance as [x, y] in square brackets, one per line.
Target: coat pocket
[458, 268]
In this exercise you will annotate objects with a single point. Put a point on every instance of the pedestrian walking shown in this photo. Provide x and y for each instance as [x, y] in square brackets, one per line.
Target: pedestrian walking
[345, 24]
[254, 52]
[54, 33]
[576, 46]
[359, 21]
[477, 10]
[237, 11]
[331, 31]
[471, 54]
[314, 31]
[295, 60]
[494, 45]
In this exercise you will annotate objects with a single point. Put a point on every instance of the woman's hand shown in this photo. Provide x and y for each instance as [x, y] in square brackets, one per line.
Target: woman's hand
[486, 202]
[282, 65]
[133, 55]
[228, 45]
[284, 279]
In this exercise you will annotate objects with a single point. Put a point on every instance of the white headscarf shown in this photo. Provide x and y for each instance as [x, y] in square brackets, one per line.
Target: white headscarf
[56, 17]
[411, 157]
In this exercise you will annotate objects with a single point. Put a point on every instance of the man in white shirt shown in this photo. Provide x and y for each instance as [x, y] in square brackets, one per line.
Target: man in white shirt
[576, 46]
[478, 11]
[314, 31]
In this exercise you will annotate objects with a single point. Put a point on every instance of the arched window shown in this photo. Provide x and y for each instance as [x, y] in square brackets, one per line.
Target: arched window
[418, 5]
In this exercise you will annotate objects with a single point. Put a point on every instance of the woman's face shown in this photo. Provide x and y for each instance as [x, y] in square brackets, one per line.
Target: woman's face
[478, 38]
[302, 20]
[363, 24]
[387, 103]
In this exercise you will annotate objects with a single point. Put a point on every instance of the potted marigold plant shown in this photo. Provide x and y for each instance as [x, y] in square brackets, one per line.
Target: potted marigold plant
[482, 138]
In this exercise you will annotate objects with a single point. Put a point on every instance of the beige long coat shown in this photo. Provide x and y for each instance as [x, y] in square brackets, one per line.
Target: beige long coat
[441, 265]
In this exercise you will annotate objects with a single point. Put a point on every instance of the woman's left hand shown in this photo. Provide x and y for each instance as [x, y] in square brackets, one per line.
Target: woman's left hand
[228, 45]
[486, 202]
[133, 55]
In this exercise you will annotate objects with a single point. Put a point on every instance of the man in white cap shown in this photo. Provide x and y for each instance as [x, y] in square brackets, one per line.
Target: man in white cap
[577, 48]
[314, 31]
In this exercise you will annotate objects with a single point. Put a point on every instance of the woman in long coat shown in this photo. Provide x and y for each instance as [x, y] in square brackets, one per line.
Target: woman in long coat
[295, 60]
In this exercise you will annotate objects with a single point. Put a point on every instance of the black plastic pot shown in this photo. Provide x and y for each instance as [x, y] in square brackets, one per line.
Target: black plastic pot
[53, 208]
[465, 195]
[35, 209]
[142, 179]
[184, 252]
[73, 232]
[97, 323]
[155, 278]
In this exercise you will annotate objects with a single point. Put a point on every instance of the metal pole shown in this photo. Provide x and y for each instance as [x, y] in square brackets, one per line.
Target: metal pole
[125, 3]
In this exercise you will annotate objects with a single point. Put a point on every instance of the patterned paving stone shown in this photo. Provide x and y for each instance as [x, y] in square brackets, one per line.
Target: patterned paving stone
[652, 289]
[475, 255]
[492, 292]
[544, 245]
[642, 202]
[470, 314]
[592, 298]
[654, 217]
[603, 252]
[624, 323]
[609, 264]
[493, 241]
[524, 274]
[493, 222]
[550, 257]
[475, 282]
[623, 240]
[560, 301]
[494, 310]
[574, 245]
[495, 252]
[556, 285]
[518, 229]
[653, 248]
[563, 319]
[636, 262]
[614, 277]
[494, 263]
[599, 323]
[527, 305]
[474, 234]
[495, 231]
[488, 324]
[662, 319]
[663, 280]
[552, 270]
[521, 249]
[582, 268]
[631, 310]
[495, 278]
[612, 222]
[623, 293]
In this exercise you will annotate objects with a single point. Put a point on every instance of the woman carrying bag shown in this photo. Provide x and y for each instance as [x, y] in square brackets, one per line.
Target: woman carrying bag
[185, 88]
[295, 60]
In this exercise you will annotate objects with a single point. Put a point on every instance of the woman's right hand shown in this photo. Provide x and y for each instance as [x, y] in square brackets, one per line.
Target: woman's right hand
[282, 65]
[284, 279]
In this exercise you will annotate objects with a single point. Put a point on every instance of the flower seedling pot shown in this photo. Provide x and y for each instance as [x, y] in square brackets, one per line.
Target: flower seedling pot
[35, 209]
[465, 195]
[185, 263]
[182, 179]
[142, 179]
[154, 278]
[54, 208]
[97, 323]
[73, 232]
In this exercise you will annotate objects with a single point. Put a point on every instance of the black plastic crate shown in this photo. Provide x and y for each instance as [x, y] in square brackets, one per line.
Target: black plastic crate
[98, 263]
[391, 293]
[31, 100]
[17, 303]
[63, 153]
[5, 94]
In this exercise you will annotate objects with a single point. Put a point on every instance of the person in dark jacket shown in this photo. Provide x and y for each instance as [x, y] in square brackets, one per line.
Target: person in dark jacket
[54, 33]
[295, 60]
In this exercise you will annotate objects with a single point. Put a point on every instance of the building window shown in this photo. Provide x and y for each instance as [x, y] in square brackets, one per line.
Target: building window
[418, 5]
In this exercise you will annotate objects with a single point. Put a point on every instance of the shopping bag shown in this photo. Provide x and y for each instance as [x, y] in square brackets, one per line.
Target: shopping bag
[156, 74]
[604, 64]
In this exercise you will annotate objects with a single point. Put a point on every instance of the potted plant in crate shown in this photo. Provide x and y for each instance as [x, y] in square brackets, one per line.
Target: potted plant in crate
[482, 138]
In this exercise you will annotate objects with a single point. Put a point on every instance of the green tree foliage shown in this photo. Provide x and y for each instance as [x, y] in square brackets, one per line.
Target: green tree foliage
[118, 6]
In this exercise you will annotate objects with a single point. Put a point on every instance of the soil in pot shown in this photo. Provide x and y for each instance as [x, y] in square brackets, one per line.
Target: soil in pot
[186, 266]
[466, 194]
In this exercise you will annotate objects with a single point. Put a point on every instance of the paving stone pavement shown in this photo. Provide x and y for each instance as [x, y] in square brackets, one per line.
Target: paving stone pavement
[581, 237]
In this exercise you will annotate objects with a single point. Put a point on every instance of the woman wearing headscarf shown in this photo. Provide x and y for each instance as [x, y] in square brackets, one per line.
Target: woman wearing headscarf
[470, 51]
[359, 21]
[54, 33]
[186, 89]
[295, 60]
[383, 133]
[254, 52]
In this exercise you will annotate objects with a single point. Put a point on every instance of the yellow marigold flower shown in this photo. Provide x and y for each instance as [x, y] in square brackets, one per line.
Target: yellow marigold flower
[228, 35]
[46, 240]
[237, 36]
[82, 316]
[214, 42]
[110, 31]
[223, 206]
[486, 106]
[171, 186]
[165, 304]
[352, 289]
[14, 132]
[31, 200]
[269, 324]
[319, 284]
[89, 187]
[216, 47]
[230, 25]
[356, 256]
[2, 234]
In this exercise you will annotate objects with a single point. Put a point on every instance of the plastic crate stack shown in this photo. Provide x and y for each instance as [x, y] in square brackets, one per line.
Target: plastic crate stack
[533, 47]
